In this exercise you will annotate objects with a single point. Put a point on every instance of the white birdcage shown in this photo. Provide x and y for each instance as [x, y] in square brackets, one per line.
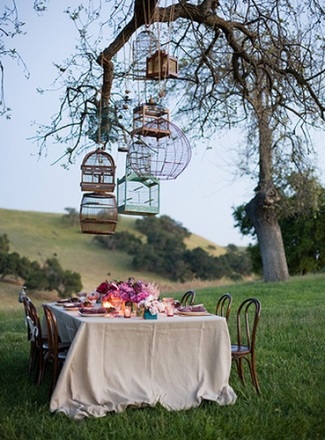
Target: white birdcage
[160, 157]
[145, 45]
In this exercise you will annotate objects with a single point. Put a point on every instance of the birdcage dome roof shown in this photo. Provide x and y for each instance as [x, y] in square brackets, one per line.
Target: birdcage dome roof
[163, 158]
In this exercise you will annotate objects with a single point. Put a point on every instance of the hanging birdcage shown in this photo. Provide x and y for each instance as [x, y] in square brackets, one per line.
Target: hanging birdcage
[102, 125]
[163, 158]
[98, 213]
[98, 172]
[161, 66]
[137, 195]
[149, 120]
[144, 46]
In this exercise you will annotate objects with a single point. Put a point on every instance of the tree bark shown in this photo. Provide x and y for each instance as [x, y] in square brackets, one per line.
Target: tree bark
[261, 209]
[269, 236]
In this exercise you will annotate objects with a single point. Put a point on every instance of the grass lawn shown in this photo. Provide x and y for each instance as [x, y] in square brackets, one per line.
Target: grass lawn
[290, 364]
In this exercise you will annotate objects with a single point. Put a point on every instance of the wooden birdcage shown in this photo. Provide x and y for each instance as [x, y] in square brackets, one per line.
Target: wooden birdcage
[137, 195]
[161, 66]
[149, 120]
[162, 158]
[98, 172]
[98, 213]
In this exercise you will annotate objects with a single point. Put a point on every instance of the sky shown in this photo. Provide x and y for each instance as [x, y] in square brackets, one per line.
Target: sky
[201, 198]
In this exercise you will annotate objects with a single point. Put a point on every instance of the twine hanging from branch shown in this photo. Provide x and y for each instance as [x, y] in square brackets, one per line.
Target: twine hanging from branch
[142, 15]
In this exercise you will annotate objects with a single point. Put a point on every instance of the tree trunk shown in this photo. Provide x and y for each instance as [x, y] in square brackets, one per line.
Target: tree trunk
[269, 237]
[261, 209]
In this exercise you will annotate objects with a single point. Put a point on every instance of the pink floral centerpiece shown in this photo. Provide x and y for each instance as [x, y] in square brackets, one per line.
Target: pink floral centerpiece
[127, 291]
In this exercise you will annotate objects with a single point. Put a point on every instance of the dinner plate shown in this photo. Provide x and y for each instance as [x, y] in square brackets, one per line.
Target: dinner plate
[71, 309]
[193, 313]
[91, 315]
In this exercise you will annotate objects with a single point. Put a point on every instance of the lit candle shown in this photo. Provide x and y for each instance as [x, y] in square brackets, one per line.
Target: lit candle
[106, 304]
[127, 312]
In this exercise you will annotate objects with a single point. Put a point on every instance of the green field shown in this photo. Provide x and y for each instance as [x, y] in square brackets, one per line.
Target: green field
[39, 236]
[290, 364]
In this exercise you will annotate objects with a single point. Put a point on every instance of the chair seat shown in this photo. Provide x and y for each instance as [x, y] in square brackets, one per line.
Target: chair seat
[237, 350]
[62, 355]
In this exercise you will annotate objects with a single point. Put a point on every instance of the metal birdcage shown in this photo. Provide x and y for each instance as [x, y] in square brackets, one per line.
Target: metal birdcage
[98, 172]
[98, 213]
[162, 158]
[137, 195]
[144, 46]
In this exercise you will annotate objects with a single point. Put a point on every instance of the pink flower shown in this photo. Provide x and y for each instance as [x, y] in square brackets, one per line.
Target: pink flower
[130, 290]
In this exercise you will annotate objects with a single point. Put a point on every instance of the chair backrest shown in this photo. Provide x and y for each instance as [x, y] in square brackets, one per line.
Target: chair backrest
[33, 323]
[248, 316]
[223, 306]
[52, 328]
[188, 298]
[26, 301]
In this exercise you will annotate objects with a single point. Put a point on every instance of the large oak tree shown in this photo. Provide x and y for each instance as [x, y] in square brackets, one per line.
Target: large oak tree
[255, 63]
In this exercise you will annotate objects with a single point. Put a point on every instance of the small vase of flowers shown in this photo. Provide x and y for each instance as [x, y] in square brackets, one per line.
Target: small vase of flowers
[151, 307]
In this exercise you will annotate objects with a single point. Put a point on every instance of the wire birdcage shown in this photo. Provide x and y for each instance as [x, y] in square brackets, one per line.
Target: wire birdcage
[137, 195]
[98, 172]
[98, 214]
[144, 46]
[164, 158]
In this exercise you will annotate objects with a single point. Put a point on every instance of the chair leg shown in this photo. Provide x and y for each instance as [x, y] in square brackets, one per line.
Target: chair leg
[55, 373]
[240, 369]
[32, 357]
[40, 367]
[253, 372]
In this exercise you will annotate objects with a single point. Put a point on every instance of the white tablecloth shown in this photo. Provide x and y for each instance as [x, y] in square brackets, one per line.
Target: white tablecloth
[117, 362]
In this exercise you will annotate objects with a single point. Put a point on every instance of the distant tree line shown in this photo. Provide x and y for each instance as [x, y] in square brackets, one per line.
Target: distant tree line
[50, 276]
[164, 252]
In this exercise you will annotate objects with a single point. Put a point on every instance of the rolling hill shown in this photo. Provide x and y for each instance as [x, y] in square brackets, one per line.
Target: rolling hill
[39, 236]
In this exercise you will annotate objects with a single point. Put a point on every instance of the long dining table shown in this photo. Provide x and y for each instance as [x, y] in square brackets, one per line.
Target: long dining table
[114, 362]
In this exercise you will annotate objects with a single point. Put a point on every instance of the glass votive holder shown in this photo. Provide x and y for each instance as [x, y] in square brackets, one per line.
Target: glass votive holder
[170, 310]
[127, 311]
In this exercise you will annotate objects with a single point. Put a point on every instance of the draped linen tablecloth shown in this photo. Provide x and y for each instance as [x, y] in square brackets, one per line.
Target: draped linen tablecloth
[116, 362]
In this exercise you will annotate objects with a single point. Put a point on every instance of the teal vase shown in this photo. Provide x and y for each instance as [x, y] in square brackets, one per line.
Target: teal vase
[148, 315]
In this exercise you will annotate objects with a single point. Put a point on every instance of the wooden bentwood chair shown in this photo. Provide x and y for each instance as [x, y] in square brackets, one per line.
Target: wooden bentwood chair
[188, 298]
[57, 353]
[248, 316]
[38, 344]
[223, 306]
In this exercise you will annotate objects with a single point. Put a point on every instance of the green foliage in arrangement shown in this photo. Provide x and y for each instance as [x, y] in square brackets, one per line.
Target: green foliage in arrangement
[290, 364]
